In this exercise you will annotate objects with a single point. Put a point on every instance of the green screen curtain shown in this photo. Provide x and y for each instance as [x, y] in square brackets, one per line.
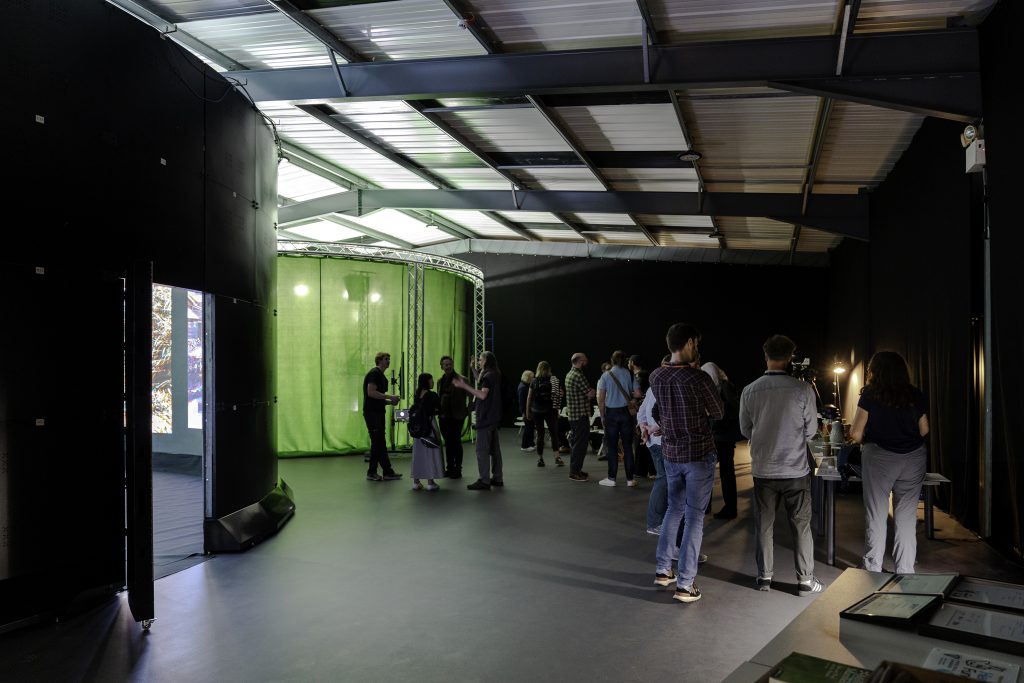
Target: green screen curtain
[334, 315]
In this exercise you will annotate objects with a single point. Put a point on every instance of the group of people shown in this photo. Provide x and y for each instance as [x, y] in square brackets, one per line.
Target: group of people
[688, 417]
[445, 412]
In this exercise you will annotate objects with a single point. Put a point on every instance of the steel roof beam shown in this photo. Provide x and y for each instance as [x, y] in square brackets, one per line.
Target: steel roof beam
[840, 214]
[555, 121]
[879, 67]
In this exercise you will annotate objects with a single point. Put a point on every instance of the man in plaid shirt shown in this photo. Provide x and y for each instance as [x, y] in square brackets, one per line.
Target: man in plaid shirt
[686, 397]
[578, 395]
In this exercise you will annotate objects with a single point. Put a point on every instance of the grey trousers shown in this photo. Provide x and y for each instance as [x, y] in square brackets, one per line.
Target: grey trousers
[795, 495]
[902, 474]
[488, 454]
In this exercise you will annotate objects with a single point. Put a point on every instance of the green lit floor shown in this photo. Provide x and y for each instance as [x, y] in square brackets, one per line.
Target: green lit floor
[545, 580]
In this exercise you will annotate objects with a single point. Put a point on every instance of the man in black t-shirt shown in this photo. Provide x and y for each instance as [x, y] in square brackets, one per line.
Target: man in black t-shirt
[375, 399]
[451, 417]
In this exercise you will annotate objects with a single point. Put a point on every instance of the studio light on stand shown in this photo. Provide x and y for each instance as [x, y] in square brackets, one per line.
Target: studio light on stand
[837, 436]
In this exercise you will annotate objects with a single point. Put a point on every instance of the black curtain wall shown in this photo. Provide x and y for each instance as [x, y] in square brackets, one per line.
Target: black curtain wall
[1001, 51]
[549, 308]
[914, 289]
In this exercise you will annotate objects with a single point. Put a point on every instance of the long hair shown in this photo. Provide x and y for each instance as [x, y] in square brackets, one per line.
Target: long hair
[543, 369]
[490, 361]
[423, 382]
[889, 380]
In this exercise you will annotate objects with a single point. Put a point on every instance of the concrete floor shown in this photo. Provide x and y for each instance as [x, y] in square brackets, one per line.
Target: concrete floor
[544, 580]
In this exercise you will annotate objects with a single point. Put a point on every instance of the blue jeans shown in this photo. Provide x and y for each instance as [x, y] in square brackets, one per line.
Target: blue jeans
[619, 423]
[689, 491]
[659, 491]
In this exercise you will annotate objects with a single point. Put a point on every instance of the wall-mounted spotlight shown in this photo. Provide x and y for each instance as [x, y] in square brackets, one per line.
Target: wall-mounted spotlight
[974, 149]
[969, 135]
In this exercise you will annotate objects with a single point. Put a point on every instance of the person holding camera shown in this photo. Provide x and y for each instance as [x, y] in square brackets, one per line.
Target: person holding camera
[375, 401]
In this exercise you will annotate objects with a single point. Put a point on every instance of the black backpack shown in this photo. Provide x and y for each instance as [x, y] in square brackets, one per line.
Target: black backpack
[417, 425]
[541, 401]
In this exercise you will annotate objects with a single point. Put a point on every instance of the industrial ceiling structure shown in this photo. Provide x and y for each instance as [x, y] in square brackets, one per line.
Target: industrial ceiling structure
[699, 130]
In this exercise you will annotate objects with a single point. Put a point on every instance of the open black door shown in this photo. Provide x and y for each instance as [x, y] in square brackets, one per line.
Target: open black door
[139, 440]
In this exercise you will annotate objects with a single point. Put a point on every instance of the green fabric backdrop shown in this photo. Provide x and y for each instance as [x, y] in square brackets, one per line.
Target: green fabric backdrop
[329, 332]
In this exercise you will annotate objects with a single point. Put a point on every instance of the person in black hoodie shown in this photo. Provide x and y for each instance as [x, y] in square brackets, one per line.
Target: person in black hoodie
[726, 433]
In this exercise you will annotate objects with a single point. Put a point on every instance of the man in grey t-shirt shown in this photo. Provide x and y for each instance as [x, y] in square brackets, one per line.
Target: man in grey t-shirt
[778, 413]
[488, 419]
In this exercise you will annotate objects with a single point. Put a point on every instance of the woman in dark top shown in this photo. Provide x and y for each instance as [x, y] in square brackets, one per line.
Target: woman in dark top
[891, 422]
[524, 389]
[427, 459]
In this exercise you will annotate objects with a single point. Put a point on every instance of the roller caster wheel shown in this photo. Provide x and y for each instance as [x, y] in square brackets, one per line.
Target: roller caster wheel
[147, 623]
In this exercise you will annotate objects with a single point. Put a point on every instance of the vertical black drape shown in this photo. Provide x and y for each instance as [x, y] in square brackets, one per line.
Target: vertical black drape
[912, 287]
[1001, 55]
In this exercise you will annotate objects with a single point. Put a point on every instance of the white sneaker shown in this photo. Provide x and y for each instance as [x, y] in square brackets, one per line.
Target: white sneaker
[631, 483]
[607, 482]
[433, 487]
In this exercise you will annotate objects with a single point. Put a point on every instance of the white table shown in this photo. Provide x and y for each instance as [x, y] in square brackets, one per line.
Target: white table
[818, 631]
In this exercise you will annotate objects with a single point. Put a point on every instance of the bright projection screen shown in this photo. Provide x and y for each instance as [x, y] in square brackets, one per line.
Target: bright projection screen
[333, 316]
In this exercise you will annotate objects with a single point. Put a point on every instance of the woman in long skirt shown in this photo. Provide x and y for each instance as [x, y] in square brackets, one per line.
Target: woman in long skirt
[427, 458]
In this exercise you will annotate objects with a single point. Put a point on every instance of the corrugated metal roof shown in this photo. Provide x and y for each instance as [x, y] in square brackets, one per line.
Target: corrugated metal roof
[612, 237]
[299, 185]
[324, 231]
[643, 127]
[179, 11]
[540, 25]
[862, 145]
[565, 235]
[755, 233]
[295, 126]
[652, 179]
[679, 21]
[752, 139]
[560, 179]
[812, 240]
[507, 130]
[685, 239]
[401, 29]
[480, 224]
[745, 141]
[260, 41]
[919, 15]
[695, 222]
[401, 226]
[591, 219]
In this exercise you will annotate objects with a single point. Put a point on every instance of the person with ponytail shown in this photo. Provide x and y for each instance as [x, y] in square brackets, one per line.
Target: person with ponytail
[891, 422]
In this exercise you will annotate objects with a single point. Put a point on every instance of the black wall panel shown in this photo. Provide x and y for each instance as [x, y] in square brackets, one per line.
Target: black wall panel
[130, 149]
[547, 309]
[63, 480]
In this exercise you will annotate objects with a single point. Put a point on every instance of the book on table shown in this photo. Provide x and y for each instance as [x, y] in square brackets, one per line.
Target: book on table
[921, 584]
[800, 668]
[893, 609]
